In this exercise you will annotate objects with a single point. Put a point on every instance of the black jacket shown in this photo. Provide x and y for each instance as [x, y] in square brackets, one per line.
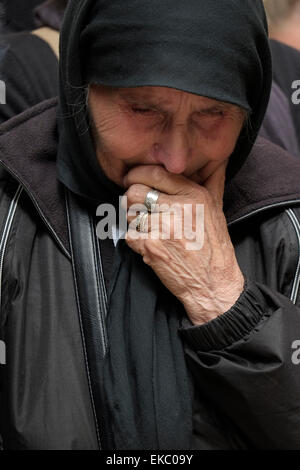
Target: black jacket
[247, 381]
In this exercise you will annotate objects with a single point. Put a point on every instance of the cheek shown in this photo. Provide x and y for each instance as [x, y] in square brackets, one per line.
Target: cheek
[219, 145]
[125, 141]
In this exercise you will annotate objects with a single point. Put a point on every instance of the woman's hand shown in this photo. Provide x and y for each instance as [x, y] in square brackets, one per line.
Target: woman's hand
[207, 280]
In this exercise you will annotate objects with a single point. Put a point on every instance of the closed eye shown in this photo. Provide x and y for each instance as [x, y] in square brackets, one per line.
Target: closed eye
[141, 110]
[215, 113]
[211, 116]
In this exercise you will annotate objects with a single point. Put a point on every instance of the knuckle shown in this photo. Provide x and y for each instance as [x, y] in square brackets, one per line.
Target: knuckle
[135, 197]
[153, 249]
[158, 174]
[146, 259]
[132, 193]
[149, 248]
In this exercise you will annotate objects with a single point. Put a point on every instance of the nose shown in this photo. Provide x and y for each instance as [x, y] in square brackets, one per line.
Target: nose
[173, 150]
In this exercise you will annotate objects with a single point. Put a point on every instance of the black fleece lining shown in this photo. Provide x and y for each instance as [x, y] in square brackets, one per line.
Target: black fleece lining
[34, 165]
[269, 176]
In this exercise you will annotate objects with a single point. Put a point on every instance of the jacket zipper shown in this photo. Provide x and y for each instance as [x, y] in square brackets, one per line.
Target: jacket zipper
[296, 225]
[103, 298]
[8, 224]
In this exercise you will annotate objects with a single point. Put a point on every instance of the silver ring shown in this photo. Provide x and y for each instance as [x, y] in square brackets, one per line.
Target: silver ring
[144, 222]
[151, 200]
[141, 221]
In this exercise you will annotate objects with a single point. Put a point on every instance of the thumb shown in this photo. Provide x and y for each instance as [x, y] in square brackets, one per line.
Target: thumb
[215, 183]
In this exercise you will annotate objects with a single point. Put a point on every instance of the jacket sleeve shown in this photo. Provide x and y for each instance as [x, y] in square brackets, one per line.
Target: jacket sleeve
[247, 363]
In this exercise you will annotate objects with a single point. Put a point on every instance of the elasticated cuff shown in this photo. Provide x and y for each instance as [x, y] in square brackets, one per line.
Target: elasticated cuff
[231, 326]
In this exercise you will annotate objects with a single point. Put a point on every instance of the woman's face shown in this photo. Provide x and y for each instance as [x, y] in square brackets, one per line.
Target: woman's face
[187, 134]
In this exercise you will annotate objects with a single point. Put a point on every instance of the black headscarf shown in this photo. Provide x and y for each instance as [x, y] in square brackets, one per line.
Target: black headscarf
[213, 48]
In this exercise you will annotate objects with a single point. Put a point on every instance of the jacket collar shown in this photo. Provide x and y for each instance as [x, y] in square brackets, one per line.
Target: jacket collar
[28, 145]
[269, 177]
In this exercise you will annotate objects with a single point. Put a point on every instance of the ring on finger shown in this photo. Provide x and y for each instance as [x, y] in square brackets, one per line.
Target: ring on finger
[141, 221]
[151, 200]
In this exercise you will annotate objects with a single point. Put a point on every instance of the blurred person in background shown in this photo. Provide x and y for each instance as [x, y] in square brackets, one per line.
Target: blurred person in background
[284, 21]
[18, 15]
[48, 18]
[29, 59]
[278, 125]
[282, 121]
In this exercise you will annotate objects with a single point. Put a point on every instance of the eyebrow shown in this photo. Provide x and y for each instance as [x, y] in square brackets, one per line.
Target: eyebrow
[216, 107]
[148, 100]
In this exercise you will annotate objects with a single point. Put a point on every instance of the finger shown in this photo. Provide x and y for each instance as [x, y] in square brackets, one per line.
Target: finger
[145, 222]
[136, 195]
[138, 245]
[162, 225]
[157, 177]
[140, 223]
[135, 241]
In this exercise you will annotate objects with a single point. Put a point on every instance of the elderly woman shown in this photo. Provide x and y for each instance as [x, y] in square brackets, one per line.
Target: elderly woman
[140, 342]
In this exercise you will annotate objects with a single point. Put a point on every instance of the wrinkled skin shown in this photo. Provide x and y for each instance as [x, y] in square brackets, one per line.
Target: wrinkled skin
[179, 144]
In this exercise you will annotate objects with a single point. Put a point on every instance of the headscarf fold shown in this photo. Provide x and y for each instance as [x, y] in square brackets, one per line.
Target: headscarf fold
[213, 48]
